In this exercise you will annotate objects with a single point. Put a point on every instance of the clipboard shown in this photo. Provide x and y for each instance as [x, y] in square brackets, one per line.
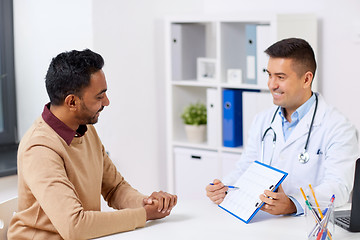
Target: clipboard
[243, 203]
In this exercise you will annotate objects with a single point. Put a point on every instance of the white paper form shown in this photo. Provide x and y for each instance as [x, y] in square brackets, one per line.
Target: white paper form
[244, 202]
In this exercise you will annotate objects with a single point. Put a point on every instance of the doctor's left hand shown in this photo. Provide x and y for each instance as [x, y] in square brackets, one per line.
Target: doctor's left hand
[166, 201]
[277, 203]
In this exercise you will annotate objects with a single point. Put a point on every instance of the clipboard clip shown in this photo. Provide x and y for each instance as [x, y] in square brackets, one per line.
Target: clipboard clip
[258, 204]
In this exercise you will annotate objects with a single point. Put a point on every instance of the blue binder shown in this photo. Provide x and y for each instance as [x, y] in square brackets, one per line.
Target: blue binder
[251, 59]
[232, 118]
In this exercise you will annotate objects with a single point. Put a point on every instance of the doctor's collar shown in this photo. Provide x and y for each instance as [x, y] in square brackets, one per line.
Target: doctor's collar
[301, 111]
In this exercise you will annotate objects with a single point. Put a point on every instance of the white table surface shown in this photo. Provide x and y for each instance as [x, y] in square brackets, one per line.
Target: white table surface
[201, 219]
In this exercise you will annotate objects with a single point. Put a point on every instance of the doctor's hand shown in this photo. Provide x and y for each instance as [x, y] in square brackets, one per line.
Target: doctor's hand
[216, 192]
[164, 201]
[277, 203]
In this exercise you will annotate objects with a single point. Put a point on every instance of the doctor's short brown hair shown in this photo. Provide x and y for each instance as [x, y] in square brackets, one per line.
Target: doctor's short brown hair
[296, 49]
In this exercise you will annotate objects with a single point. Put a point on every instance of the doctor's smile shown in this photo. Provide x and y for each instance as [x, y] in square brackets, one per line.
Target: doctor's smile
[277, 95]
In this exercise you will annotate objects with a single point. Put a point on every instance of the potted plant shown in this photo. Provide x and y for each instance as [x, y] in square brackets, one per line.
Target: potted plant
[195, 119]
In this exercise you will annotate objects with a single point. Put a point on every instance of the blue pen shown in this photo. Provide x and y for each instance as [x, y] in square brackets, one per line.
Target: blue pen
[228, 186]
[331, 201]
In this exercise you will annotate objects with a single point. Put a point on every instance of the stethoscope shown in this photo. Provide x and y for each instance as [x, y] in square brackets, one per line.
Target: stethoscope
[304, 156]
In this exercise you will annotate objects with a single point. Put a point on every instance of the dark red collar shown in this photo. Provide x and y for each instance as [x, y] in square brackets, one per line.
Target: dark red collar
[61, 128]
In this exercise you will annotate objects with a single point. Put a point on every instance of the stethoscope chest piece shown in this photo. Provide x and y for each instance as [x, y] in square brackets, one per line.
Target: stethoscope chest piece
[304, 157]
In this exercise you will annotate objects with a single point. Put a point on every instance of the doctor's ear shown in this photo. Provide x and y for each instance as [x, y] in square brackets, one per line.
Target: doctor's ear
[308, 78]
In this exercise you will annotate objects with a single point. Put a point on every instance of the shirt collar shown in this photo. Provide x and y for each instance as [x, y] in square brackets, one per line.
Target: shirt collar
[301, 111]
[61, 128]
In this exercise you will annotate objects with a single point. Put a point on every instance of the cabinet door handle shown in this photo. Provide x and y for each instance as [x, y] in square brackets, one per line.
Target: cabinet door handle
[196, 157]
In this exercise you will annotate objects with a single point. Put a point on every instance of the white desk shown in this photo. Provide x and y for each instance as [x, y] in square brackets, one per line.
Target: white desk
[204, 220]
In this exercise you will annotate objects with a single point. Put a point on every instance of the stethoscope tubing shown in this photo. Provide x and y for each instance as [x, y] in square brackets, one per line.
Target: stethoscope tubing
[304, 156]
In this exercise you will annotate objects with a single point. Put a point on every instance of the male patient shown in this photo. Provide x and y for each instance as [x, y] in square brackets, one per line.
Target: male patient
[63, 168]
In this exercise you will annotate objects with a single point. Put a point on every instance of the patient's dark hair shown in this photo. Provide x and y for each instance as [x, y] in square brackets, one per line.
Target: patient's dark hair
[296, 49]
[70, 72]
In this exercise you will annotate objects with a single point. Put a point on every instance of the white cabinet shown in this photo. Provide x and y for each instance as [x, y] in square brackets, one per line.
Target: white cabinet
[194, 169]
[217, 53]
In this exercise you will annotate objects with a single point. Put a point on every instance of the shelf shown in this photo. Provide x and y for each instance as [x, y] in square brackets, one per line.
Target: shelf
[202, 146]
[232, 150]
[263, 18]
[206, 55]
[194, 83]
[243, 86]
[193, 42]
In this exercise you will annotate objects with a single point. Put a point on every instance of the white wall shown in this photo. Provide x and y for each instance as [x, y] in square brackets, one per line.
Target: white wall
[42, 29]
[129, 36]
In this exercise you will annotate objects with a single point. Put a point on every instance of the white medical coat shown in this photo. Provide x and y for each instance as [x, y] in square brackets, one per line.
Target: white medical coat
[333, 149]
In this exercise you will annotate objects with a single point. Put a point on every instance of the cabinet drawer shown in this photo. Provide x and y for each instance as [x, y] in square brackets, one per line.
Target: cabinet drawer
[194, 169]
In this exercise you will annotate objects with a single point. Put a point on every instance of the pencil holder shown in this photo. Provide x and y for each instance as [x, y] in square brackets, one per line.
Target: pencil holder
[320, 221]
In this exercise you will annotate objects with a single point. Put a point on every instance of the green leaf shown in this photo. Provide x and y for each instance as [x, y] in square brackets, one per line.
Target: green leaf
[194, 114]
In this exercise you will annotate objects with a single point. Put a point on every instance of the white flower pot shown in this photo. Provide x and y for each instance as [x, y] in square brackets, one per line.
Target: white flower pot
[196, 133]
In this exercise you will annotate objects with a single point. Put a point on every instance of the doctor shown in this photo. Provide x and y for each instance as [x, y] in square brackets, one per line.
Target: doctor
[302, 135]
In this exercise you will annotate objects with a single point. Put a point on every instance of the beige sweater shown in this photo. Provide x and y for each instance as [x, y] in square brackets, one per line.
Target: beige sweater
[60, 187]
